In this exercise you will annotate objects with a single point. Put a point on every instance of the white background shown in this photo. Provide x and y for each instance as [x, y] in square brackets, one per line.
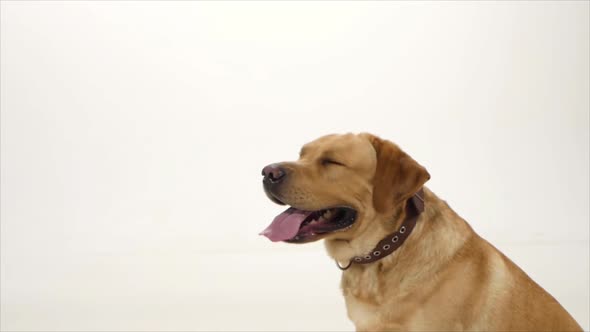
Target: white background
[133, 135]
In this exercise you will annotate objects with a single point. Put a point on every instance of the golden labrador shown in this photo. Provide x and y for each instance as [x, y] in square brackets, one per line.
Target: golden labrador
[364, 196]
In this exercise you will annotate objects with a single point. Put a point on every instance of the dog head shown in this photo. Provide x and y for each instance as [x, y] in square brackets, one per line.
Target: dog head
[339, 186]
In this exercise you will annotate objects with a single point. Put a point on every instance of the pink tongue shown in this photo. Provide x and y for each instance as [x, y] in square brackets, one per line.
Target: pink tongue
[286, 225]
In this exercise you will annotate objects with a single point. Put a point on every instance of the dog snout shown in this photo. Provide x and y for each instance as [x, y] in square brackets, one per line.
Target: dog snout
[273, 173]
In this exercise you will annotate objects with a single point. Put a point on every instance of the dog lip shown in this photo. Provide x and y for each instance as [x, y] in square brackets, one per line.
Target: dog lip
[276, 200]
[309, 235]
[273, 197]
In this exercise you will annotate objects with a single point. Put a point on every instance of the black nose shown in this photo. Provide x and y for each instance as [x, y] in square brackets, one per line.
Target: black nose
[273, 173]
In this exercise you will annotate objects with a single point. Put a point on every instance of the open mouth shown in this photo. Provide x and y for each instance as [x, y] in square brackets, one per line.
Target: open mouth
[299, 226]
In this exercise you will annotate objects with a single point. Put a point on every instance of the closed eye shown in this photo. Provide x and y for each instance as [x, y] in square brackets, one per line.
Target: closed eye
[328, 161]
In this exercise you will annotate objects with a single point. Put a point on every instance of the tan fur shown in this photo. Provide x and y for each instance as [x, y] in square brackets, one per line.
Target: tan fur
[444, 277]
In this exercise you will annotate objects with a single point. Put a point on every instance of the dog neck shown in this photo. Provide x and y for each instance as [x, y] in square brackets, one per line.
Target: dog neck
[414, 206]
[343, 251]
[431, 246]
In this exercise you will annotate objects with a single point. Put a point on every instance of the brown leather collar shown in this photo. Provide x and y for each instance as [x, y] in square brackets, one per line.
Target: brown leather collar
[385, 247]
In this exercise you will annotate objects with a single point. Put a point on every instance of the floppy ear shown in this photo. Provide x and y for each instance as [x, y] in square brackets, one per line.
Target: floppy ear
[397, 176]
